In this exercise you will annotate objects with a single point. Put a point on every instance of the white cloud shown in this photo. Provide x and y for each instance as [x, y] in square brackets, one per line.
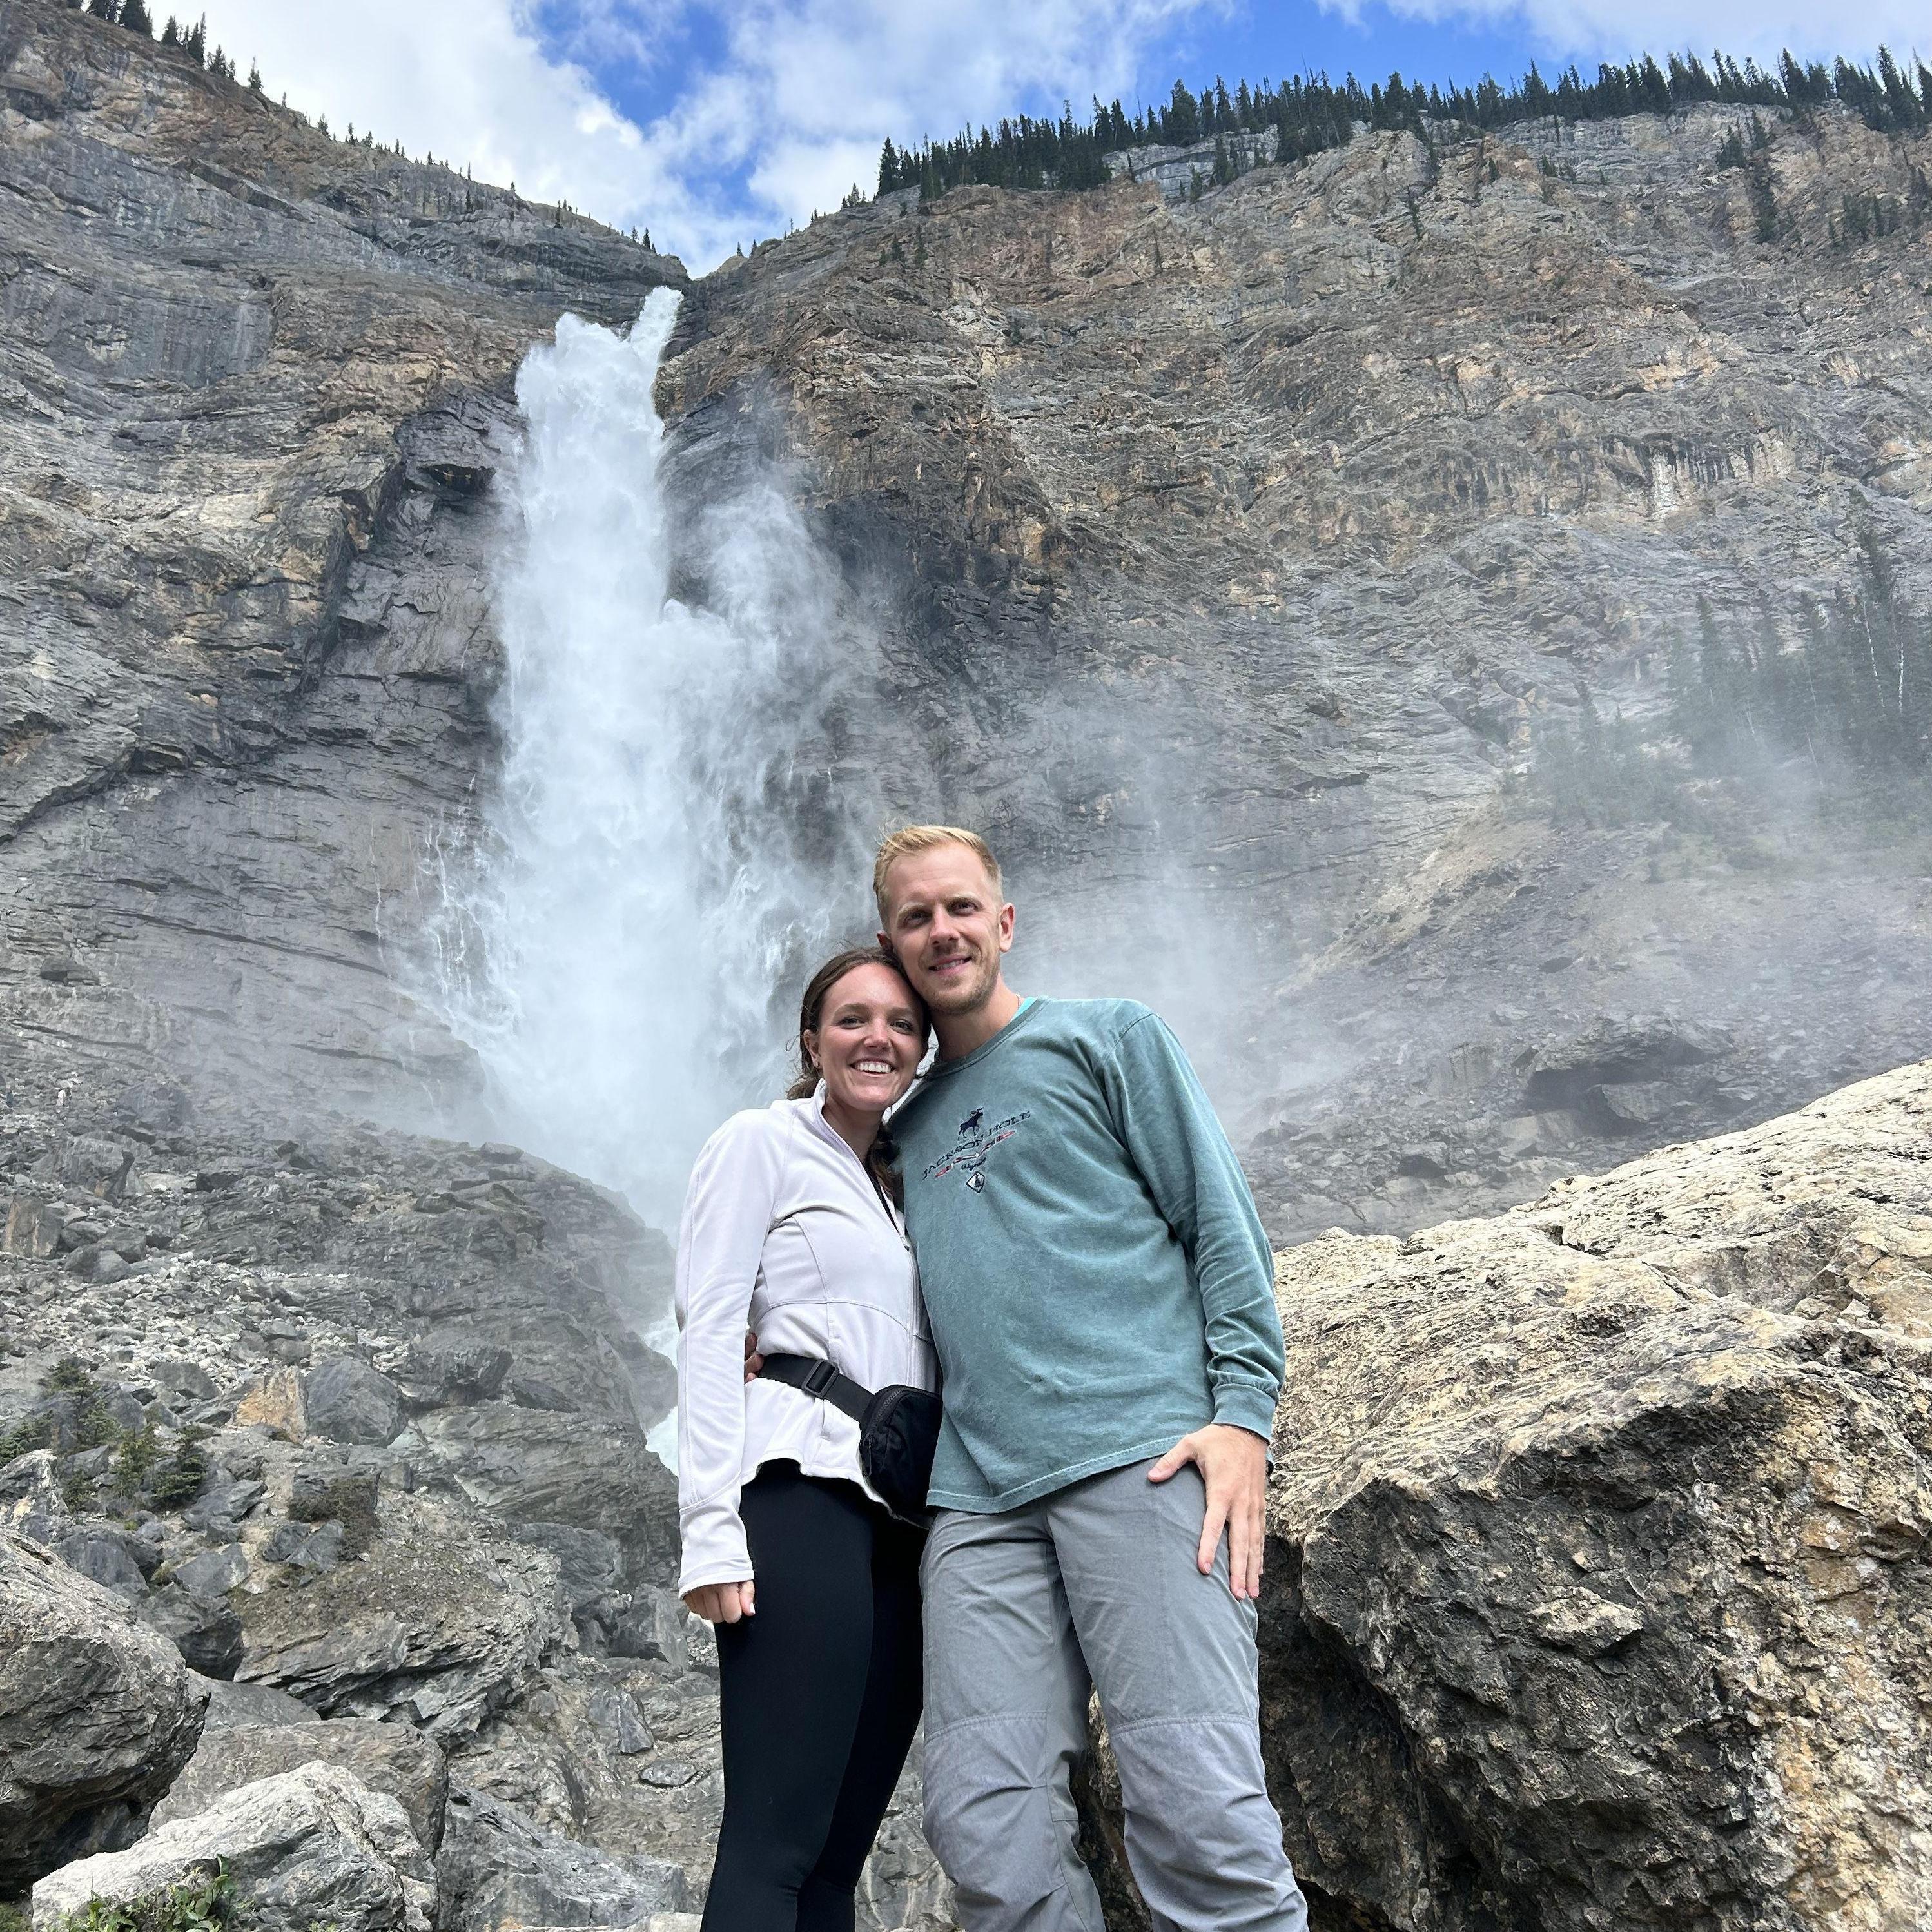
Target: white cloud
[1586, 29]
[792, 116]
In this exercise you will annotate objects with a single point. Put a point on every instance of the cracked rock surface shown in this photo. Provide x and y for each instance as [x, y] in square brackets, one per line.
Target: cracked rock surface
[1601, 1541]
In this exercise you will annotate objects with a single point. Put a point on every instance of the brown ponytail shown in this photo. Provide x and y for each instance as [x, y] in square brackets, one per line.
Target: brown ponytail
[883, 1160]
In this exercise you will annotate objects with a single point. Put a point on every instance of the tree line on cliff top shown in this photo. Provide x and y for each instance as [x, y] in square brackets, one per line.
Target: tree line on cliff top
[1312, 113]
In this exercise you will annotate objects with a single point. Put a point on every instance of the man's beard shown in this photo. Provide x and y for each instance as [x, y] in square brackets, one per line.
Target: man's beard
[978, 989]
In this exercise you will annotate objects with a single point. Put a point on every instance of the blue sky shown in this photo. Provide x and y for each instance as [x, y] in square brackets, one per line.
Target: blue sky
[716, 122]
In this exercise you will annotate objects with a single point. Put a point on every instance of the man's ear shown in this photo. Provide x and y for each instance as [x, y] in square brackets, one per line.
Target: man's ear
[885, 939]
[1006, 916]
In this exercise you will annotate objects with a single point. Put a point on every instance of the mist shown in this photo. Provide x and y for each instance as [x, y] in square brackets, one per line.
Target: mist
[615, 947]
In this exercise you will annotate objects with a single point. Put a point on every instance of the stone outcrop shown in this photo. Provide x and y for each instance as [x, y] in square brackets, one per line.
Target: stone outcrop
[253, 377]
[313, 1847]
[1600, 1545]
[97, 1716]
[397, 1759]
[499, 1873]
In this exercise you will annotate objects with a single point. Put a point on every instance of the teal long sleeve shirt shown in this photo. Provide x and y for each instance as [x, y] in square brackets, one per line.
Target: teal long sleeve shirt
[1095, 1274]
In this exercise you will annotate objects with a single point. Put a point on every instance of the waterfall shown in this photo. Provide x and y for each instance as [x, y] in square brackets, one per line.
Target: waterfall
[665, 852]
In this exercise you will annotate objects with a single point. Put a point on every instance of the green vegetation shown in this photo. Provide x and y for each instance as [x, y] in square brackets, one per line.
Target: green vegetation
[181, 1478]
[68, 1376]
[1312, 114]
[205, 1904]
[1829, 703]
[13, 1918]
[136, 1456]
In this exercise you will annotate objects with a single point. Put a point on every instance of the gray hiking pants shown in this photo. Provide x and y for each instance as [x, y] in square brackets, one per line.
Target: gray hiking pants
[1020, 1608]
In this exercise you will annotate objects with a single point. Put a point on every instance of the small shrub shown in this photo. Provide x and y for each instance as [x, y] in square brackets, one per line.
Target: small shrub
[137, 1456]
[181, 1477]
[29, 1434]
[93, 1426]
[68, 1376]
[204, 1904]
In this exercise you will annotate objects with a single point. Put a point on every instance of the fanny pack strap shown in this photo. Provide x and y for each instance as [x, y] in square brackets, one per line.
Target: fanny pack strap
[819, 1378]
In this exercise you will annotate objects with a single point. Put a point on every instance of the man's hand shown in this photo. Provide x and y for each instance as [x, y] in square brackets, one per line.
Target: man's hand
[721, 1603]
[1233, 1464]
[754, 1361]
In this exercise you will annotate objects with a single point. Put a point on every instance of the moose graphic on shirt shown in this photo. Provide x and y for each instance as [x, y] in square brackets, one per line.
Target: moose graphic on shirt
[973, 1142]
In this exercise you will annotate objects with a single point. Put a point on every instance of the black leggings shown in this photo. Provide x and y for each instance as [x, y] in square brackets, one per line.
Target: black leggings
[819, 1696]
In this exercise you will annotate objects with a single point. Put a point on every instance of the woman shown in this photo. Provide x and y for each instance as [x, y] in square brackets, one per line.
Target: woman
[792, 1229]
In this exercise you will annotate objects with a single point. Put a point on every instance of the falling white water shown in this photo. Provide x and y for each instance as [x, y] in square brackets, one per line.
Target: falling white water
[620, 947]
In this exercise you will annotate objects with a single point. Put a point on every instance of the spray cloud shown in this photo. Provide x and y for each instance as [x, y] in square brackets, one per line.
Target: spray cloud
[652, 873]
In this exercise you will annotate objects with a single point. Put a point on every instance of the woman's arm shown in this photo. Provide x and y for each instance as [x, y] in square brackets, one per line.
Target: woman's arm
[727, 1214]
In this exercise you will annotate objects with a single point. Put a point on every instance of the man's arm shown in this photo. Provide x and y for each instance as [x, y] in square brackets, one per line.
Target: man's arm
[1168, 1127]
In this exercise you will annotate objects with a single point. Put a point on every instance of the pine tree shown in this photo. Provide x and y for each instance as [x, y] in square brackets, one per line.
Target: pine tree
[889, 167]
[136, 18]
[171, 33]
[103, 10]
[254, 77]
[196, 40]
[1180, 120]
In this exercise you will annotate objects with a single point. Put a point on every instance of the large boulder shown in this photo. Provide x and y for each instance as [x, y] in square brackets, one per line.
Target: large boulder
[390, 1758]
[246, 1707]
[437, 1626]
[532, 1466]
[348, 1401]
[498, 1872]
[1600, 1582]
[96, 1715]
[312, 1847]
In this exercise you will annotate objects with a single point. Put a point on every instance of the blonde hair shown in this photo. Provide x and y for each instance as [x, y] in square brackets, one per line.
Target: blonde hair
[911, 838]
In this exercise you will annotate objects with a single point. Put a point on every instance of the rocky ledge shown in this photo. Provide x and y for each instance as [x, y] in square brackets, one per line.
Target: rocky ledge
[346, 1435]
[1601, 1542]
[1600, 1581]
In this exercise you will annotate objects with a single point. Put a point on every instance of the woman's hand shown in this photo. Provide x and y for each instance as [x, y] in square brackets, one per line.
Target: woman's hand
[721, 1603]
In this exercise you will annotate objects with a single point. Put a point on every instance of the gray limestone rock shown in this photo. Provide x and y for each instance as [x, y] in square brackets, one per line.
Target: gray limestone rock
[206, 1631]
[214, 1572]
[1600, 1557]
[390, 1758]
[311, 1846]
[237, 1707]
[349, 1401]
[533, 1466]
[439, 1627]
[498, 1872]
[452, 1372]
[96, 1715]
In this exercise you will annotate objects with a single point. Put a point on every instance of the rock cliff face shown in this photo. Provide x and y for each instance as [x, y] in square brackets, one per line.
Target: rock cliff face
[1220, 556]
[251, 377]
[1229, 551]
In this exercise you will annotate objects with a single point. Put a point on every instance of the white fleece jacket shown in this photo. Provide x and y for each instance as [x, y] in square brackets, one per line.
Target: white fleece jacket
[785, 1233]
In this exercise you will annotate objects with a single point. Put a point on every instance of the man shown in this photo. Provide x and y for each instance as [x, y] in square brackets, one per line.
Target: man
[1101, 1296]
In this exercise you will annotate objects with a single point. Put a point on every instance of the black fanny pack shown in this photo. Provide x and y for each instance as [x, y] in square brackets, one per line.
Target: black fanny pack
[898, 1428]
